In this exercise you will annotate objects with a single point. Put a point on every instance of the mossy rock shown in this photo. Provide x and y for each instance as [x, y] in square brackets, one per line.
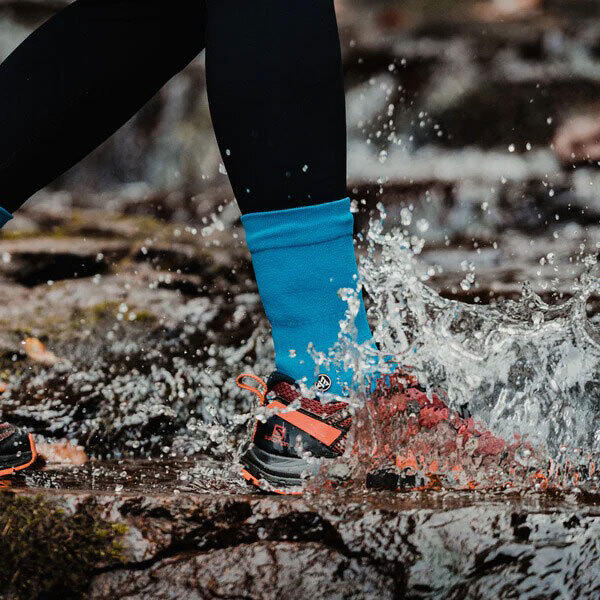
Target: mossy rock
[47, 553]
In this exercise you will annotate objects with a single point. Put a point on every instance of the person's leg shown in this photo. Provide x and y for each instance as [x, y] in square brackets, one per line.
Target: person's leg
[82, 75]
[69, 86]
[276, 95]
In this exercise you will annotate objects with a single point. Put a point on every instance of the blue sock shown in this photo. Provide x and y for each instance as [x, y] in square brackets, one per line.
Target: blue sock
[302, 257]
[5, 217]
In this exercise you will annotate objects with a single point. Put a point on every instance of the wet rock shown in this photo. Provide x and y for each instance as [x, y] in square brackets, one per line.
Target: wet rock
[179, 258]
[266, 570]
[150, 357]
[339, 471]
[447, 75]
[34, 261]
[478, 119]
[31, 12]
[152, 353]
[393, 479]
[427, 546]
[498, 10]
[578, 139]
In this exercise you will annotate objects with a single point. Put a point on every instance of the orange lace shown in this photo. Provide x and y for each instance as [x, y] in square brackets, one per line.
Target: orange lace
[260, 391]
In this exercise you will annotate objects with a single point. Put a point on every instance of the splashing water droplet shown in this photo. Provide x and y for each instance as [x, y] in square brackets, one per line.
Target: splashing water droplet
[526, 371]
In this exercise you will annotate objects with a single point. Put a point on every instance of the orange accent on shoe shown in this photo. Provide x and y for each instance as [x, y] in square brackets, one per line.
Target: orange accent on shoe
[278, 436]
[407, 462]
[13, 470]
[321, 431]
[256, 482]
[542, 479]
[255, 390]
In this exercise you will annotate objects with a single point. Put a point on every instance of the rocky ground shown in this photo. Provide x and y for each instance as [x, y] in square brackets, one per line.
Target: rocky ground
[233, 545]
[126, 314]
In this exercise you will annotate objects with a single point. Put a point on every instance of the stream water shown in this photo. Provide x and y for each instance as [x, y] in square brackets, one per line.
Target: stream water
[150, 343]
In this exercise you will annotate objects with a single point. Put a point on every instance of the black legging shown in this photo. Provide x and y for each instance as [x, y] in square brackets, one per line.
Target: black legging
[274, 85]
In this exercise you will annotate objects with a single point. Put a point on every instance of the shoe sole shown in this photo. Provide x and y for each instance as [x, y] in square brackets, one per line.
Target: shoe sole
[259, 484]
[272, 473]
[28, 458]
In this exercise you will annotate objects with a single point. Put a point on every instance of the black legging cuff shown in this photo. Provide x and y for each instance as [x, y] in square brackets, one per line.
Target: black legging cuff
[274, 82]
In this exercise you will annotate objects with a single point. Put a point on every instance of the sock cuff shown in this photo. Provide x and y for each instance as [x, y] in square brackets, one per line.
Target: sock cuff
[5, 217]
[303, 226]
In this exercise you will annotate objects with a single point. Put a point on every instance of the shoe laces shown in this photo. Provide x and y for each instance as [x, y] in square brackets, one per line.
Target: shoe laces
[6, 430]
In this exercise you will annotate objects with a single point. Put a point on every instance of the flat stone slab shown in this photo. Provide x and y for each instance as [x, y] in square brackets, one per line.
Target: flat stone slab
[228, 542]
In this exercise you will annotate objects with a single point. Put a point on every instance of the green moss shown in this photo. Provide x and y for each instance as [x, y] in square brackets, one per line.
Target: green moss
[108, 308]
[147, 226]
[45, 552]
[57, 232]
[81, 222]
[144, 316]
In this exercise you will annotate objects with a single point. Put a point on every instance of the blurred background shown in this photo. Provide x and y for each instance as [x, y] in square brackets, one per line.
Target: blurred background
[481, 118]
[476, 124]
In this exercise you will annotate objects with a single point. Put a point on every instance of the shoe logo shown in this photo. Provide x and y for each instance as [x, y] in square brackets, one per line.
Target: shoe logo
[278, 436]
[323, 383]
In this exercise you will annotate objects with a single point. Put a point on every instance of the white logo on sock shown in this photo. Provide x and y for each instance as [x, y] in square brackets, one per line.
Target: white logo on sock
[323, 383]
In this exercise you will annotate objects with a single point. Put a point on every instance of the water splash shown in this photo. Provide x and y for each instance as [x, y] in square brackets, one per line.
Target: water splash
[528, 372]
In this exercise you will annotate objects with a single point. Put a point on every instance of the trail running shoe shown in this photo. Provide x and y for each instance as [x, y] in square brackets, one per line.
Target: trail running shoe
[276, 459]
[17, 449]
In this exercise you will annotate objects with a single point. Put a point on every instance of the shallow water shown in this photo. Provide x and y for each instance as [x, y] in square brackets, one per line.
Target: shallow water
[135, 476]
[152, 343]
